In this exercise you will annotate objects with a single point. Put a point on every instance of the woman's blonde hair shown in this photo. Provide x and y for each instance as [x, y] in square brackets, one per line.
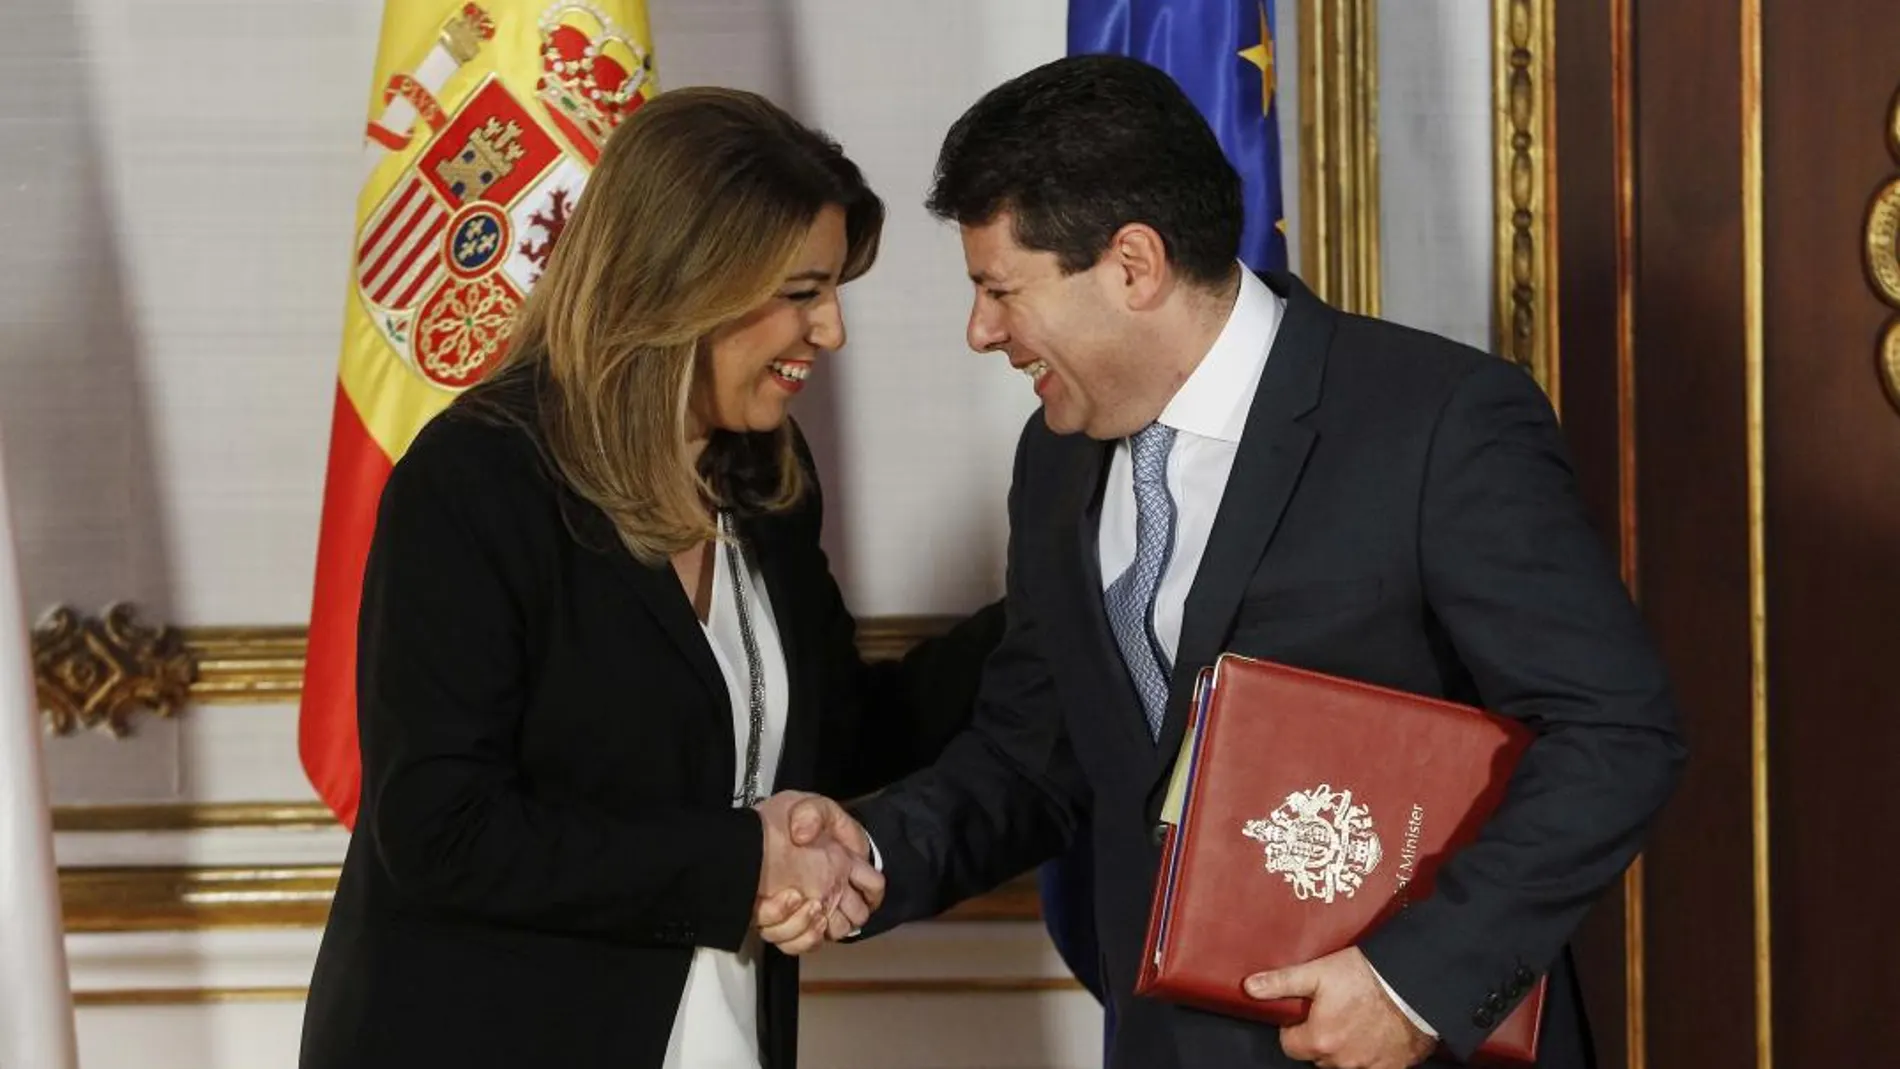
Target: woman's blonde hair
[690, 220]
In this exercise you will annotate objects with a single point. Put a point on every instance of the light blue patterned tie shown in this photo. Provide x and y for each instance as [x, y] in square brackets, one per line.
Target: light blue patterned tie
[1130, 599]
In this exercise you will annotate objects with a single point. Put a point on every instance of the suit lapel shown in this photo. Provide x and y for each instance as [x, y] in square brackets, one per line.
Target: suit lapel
[1075, 545]
[663, 597]
[1272, 453]
[660, 593]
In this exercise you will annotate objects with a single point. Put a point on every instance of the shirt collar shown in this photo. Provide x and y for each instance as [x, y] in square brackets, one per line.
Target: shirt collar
[1215, 399]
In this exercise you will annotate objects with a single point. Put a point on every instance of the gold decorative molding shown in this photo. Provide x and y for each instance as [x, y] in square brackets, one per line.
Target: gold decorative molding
[1890, 362]
[188, 816]
[886, 638]
[1629, 519]
[248, 665]
[921, 985]
[185, 996]
[946, 985]
[187, 898]
[1893, 126]
[1339, 152]
[1018, 900]
[102, 672]
[1881, 250]
[96, 672]
[1881, 253]
[1754, 362]
[1524, 116]
[184, 898]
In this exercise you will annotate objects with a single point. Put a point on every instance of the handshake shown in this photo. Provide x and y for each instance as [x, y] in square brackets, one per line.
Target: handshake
[816, 881]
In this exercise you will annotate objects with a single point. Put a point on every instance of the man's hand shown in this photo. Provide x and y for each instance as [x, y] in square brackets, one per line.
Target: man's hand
[816, 819]
[814, 816]
[816, 881]
[1351, 1023]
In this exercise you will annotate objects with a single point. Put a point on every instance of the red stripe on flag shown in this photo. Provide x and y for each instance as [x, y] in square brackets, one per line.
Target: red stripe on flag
[326, 726]
[408, 298]
[378, 272]
[390, 217]
[385, 252]
[433, 269]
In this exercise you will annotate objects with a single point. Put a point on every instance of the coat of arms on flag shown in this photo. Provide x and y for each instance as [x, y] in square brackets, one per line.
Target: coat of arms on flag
[444, 261]
[485, 123]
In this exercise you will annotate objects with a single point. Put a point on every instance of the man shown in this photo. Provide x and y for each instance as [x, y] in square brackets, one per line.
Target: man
[1223, 463]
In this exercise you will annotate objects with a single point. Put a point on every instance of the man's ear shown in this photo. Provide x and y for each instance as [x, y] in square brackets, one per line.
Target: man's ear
[1140, 257]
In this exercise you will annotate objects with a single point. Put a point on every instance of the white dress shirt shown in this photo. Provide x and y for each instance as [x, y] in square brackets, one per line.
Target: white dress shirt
[1208, 414]
[717, 1025]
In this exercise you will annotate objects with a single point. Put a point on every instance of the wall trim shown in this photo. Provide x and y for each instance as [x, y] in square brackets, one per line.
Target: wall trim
[105, 670]
[184, 996]
[1629, 519]
[1754, 330]
[191, 816]
[1339, 152]
[1882, 253]
[1524, 131]
[970, 985]
[197, 898]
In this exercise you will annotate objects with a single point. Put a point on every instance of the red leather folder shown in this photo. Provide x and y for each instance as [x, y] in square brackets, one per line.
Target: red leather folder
[1304, 811]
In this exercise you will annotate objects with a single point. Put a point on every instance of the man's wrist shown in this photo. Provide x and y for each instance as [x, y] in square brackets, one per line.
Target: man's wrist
[1404, 1007]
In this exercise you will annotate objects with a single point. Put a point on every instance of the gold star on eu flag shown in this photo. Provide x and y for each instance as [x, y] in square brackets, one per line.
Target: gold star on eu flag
[1261, 55]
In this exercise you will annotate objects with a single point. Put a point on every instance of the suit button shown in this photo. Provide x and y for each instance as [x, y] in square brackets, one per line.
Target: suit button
[1494, 1004]
[1484, 1019]
[1524, 978]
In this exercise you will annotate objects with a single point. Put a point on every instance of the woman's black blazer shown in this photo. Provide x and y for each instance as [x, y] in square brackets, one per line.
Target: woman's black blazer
[546, 830]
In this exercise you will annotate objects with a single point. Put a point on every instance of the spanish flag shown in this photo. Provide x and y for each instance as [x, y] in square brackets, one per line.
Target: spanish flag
[484, 123]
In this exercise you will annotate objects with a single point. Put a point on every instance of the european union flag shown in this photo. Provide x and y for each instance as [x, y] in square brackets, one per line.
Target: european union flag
[1221, 53]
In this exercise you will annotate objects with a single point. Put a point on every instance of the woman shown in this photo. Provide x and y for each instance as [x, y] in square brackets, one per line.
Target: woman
[597, 629]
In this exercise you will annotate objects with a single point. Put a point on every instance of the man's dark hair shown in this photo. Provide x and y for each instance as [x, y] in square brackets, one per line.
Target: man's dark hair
[1078, 148]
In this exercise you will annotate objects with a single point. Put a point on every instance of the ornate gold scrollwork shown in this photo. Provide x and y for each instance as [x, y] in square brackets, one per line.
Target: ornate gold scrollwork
[1881, 250]
[1893, 127]
[1883, 254]
[1523, 89]
[100, 671]
[1890, 361]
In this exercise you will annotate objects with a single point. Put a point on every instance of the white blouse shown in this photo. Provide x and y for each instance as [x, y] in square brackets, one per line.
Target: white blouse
[717, 1026]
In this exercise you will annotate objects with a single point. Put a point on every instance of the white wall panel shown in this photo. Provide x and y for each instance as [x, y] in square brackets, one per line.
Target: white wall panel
[1435, 165]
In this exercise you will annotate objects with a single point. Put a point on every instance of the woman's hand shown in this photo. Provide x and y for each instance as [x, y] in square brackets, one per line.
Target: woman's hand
[816, 881]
